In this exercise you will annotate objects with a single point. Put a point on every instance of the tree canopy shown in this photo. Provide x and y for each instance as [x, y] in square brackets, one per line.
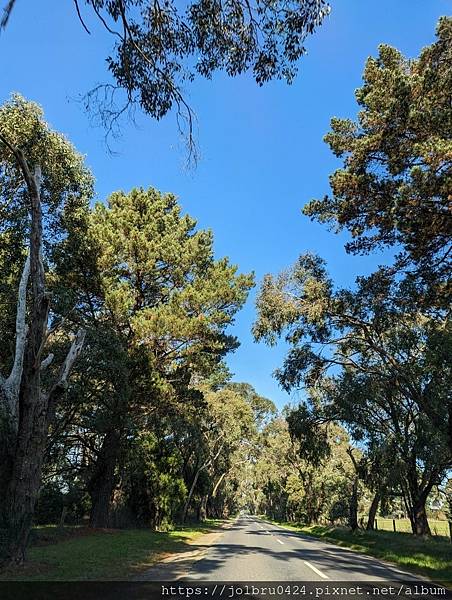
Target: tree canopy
[159, 47]
[394, 189]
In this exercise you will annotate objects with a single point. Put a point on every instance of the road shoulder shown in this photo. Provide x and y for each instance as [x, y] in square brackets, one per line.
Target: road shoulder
[173, 566]
[365, 553]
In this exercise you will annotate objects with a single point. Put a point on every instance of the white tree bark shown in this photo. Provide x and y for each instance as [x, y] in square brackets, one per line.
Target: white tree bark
[11, 385]
[71, 357]
[46, 362]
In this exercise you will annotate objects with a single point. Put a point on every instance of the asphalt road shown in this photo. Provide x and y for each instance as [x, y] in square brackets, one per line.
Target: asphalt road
[254, 550]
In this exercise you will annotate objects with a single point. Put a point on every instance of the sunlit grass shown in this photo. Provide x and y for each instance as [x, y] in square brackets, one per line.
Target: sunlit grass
[404, 526]
[83, 554]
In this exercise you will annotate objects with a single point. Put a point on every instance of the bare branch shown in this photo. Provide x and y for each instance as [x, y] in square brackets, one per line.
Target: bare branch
[71, 357]
[46, 362]
[79, 14]
[7, 13]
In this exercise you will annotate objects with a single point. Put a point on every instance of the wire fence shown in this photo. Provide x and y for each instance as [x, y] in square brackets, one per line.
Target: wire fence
[437, 527]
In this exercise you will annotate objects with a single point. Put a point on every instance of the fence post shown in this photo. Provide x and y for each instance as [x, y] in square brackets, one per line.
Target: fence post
[394, 526]
[376, 525]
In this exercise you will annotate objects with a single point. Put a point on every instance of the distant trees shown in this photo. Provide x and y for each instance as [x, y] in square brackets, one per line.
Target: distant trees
[375, 358]
[291, 484]
[227, 434]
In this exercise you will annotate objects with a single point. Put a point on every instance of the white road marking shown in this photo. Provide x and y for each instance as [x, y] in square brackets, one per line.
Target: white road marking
[279, 541]
[308, 564]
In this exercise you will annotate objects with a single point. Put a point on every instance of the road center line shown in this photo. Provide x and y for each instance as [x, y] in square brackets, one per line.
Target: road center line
[308, 564]
[279, 541]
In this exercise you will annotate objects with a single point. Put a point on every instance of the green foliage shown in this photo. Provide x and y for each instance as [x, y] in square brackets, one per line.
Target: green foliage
[160, 282]
[66, 189]
[394, 187]
[292, 484]
[339, 511]
[154, 488]
[161, 46]
[366, 362]
[157, 305]
[374, 357]
[52, 501]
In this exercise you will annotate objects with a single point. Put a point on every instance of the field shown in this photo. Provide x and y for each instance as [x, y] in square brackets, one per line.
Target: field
[437, 527]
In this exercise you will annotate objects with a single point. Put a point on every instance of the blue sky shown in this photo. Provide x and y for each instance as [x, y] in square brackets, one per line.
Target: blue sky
[261, 150]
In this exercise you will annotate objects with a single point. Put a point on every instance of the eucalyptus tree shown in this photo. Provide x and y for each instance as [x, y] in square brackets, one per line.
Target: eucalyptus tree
[376, 357]
[291, 483]
[367, 363]
[226, 427]
[42, 181]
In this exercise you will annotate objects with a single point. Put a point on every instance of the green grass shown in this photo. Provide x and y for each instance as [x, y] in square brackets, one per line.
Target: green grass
[428, 557]
[83, 554]
[437, 527]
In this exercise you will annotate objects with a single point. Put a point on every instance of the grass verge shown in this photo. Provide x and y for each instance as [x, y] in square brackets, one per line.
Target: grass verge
[79, 554]
[428, 557]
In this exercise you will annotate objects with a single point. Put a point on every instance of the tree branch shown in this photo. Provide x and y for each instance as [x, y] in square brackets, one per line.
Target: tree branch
[7, 13]
[71, 357]
[79, 14]
[46, 362]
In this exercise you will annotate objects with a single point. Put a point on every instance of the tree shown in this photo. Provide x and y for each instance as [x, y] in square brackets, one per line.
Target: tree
[38, 167]
[159, 47]
[152, 487]
[394, 187]
[290, 482]
[225, 429]
[328, 468]
[263, 408]
[166, 303]
[381, 474]
[384, 419]
[375, 357]
[365, 363]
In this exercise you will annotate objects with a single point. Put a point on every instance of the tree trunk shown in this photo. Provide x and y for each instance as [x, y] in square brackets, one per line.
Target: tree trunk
[419, 521]
[218, 483]
[353, 515]
[7, 442]
[190, 494]
[102, 482]
[202, 513]
[30, 418]
[373, 512]
[415, 497]
[23, 486]
[25, 406]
